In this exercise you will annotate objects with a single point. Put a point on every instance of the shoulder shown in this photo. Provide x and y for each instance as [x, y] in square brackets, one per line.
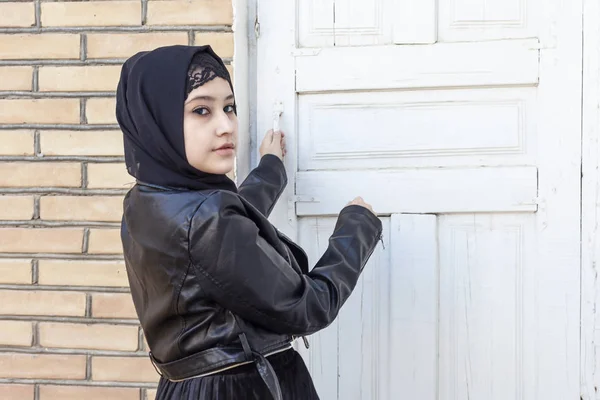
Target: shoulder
[219, 222]
[219, 203]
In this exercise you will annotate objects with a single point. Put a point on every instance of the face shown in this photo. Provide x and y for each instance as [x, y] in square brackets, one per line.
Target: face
[209, 123]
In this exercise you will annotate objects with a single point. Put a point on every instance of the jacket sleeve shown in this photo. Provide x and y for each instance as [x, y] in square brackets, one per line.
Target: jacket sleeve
[242, 272]
[265, 183]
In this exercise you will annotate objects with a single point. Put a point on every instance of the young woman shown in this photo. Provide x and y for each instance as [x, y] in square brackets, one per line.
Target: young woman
[219, 292]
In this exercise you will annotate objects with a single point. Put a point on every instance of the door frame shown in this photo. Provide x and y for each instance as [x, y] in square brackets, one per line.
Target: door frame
[555, 45]
[590, 201]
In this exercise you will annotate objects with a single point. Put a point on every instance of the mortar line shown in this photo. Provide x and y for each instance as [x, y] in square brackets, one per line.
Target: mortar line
[38, 15]
[84, 175]
[35, 272]
[140, 340]
[50, 95]
[60, 256]
[118, 29]
[41, 158]
[36, 209]
[35, 79]
[37, 144]
[35, 340]
[70, 288]
[88, 368]
[65, 382]
[144, 12]
[88, 305]
[86, 241]
[82, 116]
[94, 61]
[73, 191]
[83, 47]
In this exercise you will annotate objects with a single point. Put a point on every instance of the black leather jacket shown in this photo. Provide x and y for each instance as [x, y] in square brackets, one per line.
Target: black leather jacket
[215, 284]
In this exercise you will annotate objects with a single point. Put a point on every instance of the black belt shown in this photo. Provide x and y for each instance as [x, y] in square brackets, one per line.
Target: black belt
[220, 357]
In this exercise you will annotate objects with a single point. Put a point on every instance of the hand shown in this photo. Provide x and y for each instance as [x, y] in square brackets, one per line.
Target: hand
[360, 202]
[273, 143]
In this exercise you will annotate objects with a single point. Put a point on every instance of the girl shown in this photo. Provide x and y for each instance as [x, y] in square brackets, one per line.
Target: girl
[219, 292]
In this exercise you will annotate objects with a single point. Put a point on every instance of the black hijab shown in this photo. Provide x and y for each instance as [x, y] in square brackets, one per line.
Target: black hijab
[150, 100]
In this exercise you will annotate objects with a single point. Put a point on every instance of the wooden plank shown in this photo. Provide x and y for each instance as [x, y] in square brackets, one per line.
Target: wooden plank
[415, 22]
[414, 307]
[275, 65]
[497, 189]
[512, 62]
[590, 221]
[558, 220]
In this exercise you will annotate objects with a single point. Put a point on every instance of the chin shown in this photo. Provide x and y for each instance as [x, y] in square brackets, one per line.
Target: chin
[224, 167]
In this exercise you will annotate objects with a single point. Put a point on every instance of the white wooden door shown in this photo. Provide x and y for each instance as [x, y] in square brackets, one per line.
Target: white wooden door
[460, 121]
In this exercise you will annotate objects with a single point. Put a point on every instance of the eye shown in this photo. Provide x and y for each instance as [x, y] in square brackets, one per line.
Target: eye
[201, 111]
[230, 108]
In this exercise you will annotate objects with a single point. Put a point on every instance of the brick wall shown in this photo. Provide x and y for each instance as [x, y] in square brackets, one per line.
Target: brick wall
[67, 326]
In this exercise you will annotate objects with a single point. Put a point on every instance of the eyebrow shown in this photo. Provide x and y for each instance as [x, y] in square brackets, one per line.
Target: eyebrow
[209, 98]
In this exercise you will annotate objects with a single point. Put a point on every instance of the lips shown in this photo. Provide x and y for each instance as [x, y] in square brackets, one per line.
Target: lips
[225, 146]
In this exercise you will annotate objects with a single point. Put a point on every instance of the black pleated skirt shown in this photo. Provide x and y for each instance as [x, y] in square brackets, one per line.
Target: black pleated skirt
[244, 383]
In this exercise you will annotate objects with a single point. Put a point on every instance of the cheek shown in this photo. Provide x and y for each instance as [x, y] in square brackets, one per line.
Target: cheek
[196, 144]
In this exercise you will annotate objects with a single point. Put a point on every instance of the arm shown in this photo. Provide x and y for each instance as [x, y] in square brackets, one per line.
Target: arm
[242, 272]
[264, 184]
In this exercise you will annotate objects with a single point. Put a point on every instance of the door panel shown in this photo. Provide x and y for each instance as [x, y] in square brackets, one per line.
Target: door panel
[349, 359]
[501, 63]
[417, 129]
[414, 307]
[487, 306]
[414, 191]
[468, 145]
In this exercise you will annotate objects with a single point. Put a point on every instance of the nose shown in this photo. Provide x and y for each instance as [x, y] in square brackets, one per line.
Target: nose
[224, 124]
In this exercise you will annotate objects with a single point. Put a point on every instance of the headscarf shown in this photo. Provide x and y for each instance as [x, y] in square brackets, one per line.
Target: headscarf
[150, 102]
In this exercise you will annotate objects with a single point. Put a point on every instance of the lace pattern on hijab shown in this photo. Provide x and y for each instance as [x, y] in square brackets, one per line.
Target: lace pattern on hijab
[204, 68]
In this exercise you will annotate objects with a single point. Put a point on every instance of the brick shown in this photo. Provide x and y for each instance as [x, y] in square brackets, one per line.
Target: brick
[17, 15]
[16, 143]
[221, 42]
[101, 111]
[41, 240]
[96, 78]
[16, 207]
[82, 273]
[42, 366]
[124, 45]
[113, 305]
[151, 394]
[92, 13]
[39, 111]
[16, 78]
[40, 174]
[42, 302]
[16, 272]
[88, 393]
[39, 46]
[107, 176]
[89, 336]
[9, 391]
[81, 143]
[145, 342]
[190, 12]
[81, 208]
[105, 241]
[123, 369]
[16, 333]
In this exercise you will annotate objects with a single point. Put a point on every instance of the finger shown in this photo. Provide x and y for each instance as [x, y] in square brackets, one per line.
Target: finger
[269, 137]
